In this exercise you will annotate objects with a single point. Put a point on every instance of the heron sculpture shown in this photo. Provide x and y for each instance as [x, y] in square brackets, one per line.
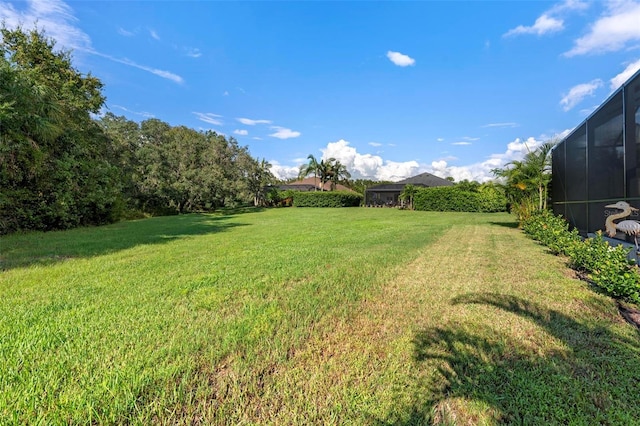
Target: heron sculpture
[629, 227]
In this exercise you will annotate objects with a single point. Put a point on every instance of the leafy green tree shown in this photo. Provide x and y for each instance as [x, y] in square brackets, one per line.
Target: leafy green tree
[360, 185]
[258, 176]
[125, 140]
[60, 167]
[55, 169]
[467, 185]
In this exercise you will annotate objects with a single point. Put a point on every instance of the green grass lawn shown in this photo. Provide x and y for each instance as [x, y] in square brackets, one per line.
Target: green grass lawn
[307, 316]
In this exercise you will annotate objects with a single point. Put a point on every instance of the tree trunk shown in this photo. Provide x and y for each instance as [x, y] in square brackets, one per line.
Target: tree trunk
[540, 197]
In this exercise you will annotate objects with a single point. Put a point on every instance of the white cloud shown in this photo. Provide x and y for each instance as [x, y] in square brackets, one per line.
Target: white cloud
[283, 172]
[481, 171]
[194, 53]
[399, 59]
[462, 143]
[578, 93]
[154, 34]
[543, 25]
[210, 118]
[368, 165]
[225, 93]
[440, 139]
[563, 134]
[55, 17]
[587, 111]
[160, 73]
[125, 33]
[250, 122]
[375, 144]
[508, 125]
[568, 5]
[468, 138]
[625, 75]
[241, 132]
[549, 21]
[141, 113]
[618, 28]
[284, 133]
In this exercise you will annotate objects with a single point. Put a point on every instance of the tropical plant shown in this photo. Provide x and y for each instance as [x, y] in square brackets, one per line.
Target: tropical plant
[325, 168]
[527, 181]
[311, 167]
[408, 192]
[338, 173]
[258, 177]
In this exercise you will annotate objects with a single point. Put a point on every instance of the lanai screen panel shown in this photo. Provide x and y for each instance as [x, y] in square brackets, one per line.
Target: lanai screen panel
[558, 187]
[576, 214]
[605, 164]
[605, 173]
[576, 178]
[632, 116]
[601, 161]
[576, 165]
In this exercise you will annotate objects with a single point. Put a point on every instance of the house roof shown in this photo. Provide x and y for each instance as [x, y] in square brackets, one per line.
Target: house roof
[423, 179]
[306, 183]
[426, 179]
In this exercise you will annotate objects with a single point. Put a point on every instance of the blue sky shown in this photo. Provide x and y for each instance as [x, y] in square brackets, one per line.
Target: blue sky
[391, 89]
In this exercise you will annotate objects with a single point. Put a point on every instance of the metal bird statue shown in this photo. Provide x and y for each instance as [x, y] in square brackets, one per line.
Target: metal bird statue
[629, 227]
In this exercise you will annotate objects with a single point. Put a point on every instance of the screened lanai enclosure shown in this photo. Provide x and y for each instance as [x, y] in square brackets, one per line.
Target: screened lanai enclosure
[598, 164]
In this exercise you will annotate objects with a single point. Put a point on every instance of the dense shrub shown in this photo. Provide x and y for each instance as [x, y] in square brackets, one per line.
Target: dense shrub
[552, 231]
[327, 199]
[454, 199]
[607, 267]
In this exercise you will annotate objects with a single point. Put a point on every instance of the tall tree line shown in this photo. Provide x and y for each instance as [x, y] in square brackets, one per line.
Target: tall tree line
[60, 167]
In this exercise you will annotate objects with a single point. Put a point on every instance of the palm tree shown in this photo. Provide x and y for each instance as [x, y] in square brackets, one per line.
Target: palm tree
[527, 181]
[324, 170]
[408, 192]
[338, 173]
[260, 178]
[539, 166]
[311, 167]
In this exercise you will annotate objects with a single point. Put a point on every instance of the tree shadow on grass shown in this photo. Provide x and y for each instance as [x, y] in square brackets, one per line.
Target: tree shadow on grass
[488, 376]
[507, 224]
[45, 248]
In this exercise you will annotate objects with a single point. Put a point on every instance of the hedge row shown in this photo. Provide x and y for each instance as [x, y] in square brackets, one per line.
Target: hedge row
[605, 266]
[453, 199]
[327, 199]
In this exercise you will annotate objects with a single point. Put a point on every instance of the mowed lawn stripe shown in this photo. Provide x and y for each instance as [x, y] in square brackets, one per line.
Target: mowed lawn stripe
[484, 327]
[141, 321]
